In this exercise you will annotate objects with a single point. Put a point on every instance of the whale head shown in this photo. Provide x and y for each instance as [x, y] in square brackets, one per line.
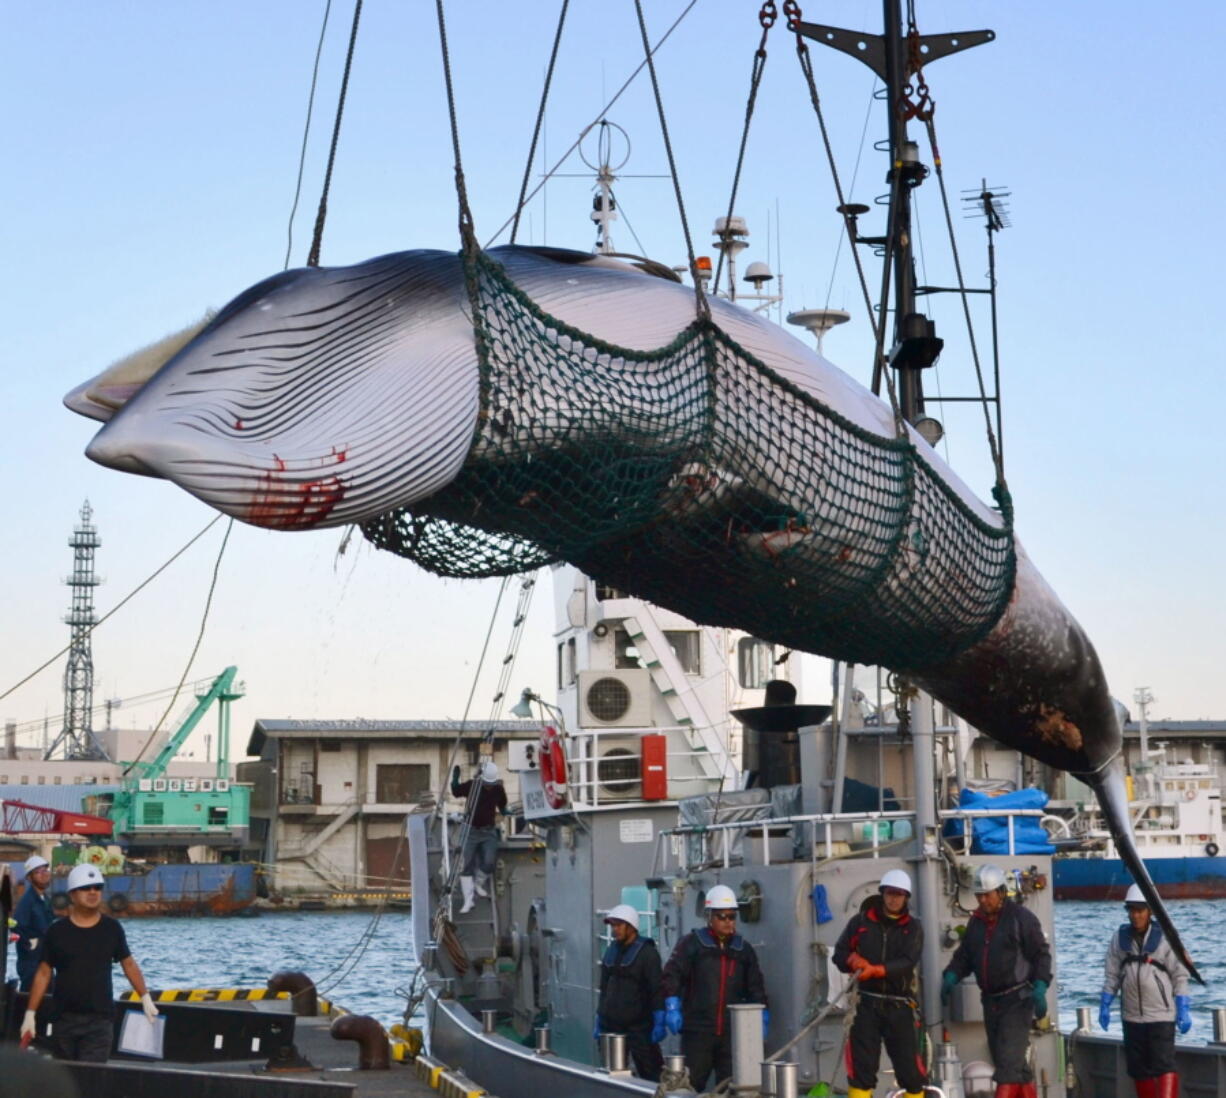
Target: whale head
[318, 397]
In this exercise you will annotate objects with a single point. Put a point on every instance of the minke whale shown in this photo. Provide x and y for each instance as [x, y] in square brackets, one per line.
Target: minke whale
[329, 396]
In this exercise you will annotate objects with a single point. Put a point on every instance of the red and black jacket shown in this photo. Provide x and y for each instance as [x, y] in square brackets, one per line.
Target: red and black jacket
[880, 940]
[708, 976]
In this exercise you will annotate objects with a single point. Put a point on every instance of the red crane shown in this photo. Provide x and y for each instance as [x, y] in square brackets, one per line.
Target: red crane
[17, 816]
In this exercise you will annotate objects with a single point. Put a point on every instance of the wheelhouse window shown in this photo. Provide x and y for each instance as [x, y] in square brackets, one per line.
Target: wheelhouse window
[687, 647]
[755, 662]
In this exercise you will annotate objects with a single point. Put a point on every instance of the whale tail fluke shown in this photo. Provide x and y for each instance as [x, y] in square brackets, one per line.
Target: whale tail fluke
[1108, 785]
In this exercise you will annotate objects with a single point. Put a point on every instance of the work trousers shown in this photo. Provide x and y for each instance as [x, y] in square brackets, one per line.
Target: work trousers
[82, 1037]
[648, 1059]
[1149, 1049]
[878, 1021]
[705, 1052]
[481, 850]
[1007, 1019]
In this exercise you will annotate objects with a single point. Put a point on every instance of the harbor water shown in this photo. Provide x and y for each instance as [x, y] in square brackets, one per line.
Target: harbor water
[367, 965]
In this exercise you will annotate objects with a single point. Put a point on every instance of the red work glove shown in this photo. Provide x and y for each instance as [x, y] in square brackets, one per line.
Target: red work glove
[872, 972]
[855, 962]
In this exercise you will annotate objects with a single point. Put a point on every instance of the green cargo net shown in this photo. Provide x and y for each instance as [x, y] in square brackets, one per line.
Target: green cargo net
[695, 477]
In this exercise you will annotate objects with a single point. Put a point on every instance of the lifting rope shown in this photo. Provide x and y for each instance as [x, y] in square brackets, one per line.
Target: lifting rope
[766, 19]
[306, 133]
[704, 308]
[540, 118]
[322, 214]
[791, 9]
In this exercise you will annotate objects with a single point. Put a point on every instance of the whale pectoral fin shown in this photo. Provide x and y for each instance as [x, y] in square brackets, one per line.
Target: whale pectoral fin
[1109, 787]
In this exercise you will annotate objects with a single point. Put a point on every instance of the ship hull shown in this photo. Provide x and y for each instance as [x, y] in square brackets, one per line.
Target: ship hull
[1108, 878]
[202, 889]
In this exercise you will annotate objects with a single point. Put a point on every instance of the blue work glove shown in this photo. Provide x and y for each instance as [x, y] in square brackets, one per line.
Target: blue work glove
[1040, 998]
[659, 1030]
[672, 1014]
[766, 1021]
[1183, 1013]
[596, 1029]
[1105, 999]
[949, 980]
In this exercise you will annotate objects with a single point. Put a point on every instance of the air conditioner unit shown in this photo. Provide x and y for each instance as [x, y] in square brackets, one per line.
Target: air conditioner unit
[615, 699]
[619, 769]
[222, 785]
[206, 785]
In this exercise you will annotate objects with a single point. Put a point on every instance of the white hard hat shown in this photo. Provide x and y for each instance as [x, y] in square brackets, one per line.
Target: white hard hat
[896, 878]
[35, 861]
[83, 875]
[988, 878]
[721, 898]
[625, 913]
[1136, 896]
[489, 771]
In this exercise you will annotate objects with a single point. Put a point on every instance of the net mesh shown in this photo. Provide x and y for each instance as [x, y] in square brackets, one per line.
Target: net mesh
[695, 477]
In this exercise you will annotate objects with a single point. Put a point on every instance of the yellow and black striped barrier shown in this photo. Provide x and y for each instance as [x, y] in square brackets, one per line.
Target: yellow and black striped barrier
[226, 995]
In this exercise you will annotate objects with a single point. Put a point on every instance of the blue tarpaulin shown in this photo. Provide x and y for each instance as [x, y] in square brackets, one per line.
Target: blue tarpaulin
[991, 835]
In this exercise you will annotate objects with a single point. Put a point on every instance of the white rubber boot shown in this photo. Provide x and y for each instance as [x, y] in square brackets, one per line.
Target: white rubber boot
[466, 887]
[479, 883]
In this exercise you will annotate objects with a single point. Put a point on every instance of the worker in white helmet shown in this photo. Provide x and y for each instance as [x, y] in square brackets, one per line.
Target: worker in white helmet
[711, 969]
[481, 847]
[1005, 948]
[31, 918]
[1142, 966]
[881, 945]
[80, 950]
[631, 1000]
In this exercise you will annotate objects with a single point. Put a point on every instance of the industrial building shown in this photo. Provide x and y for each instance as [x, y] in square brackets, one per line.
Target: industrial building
[330, 797]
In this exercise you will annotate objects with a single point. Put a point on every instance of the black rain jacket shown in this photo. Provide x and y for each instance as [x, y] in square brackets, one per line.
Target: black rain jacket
[630, 985]
[1005, 953]
[880, 940]
[709, 976]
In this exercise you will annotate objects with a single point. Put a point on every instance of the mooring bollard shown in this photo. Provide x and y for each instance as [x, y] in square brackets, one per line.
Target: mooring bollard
[301, 989]
[1085, 1019]
[542, 1040]
[489, 1021]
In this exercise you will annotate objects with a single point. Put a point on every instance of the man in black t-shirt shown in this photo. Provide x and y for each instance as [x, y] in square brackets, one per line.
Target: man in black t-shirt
[80, 949]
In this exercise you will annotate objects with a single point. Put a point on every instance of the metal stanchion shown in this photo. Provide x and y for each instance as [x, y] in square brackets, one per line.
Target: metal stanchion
[1085, 1019]
[489, 1021]
[542, 1040]
[786, 1078]
[768, 1078]
[1219, 1025]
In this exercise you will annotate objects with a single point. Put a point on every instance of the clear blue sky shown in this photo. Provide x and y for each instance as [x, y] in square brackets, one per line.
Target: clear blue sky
[151, 152]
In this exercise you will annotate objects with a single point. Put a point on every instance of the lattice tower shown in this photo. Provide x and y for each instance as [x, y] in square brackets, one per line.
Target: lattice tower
[77, 740]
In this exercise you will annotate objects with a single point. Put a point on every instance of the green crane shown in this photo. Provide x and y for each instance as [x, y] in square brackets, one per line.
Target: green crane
[153, 808]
